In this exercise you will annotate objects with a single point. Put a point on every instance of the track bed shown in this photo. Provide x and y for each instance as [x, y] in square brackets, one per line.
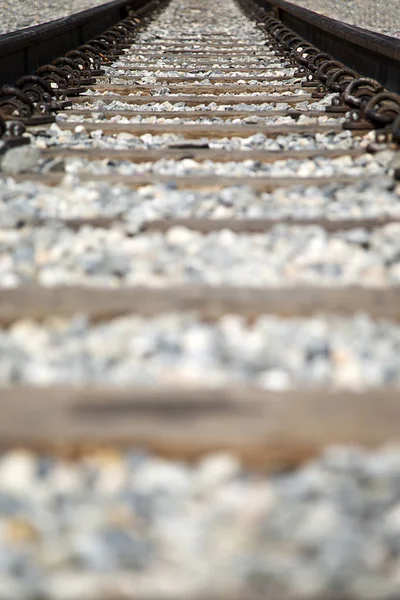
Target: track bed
[199, 273]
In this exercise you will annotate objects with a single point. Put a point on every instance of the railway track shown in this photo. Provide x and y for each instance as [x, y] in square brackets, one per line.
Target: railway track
[239, 190]
[199, 247]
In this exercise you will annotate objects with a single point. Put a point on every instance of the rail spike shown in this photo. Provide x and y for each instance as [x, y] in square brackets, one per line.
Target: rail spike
[37, 89]
[355, 97]
[14, 103]
[11, 134]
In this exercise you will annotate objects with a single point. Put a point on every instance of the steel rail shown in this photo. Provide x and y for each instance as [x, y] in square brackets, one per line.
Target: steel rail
[371, 54]
[23, 51]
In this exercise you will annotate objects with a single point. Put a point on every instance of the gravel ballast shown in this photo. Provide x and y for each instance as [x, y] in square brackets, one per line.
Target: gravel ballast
[144, 527]
[80, 138]
[105, 523]
[319, 167]
[25, 202]
[19, 14]
[285, 256]
[377, 15]
[179, 349]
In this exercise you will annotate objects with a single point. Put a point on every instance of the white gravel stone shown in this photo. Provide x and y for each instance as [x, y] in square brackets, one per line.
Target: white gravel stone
[17, 473]
[19, 14]
[377, 15]
[214, 471]
[126, 524]
[366, 165]
[26, 201]
[303, 531]
[19, 160]
[286, 255]
[182, 350]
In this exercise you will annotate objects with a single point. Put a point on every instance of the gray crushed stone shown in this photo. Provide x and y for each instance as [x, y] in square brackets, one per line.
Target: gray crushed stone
[377, 15]
[286, 255]
[180, 349]
[19, 160]
[140, 525]
[19, 14]
[128, 524]
[366, 165]
[97, 106]
[22, 202]
[82, 139]
[257, 119]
